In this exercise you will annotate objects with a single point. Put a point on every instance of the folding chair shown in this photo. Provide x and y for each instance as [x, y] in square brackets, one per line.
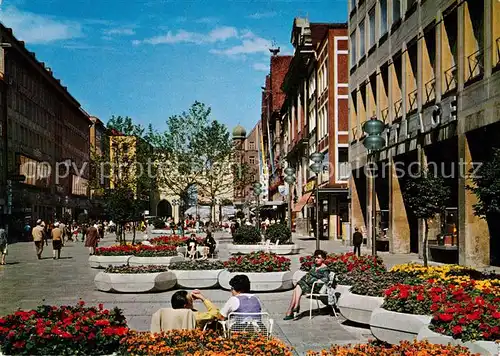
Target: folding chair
[323, 293]
[248, 324]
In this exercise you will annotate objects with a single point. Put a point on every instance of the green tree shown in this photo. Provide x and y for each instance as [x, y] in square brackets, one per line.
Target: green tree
[426, 196]
[486, 187]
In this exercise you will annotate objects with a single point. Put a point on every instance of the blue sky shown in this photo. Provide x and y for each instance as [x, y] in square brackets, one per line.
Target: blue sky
[149, 59]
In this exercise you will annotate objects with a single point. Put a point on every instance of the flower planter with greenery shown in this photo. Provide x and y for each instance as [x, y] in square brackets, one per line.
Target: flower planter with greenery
[155, 255]
[135, 279]
[404, 348]
[197, 274]
[64, 330]
[198, 342]
[267, 271]
[247, 239]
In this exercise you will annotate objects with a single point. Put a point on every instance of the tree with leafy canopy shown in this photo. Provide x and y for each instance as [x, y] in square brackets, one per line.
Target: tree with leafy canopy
[128, 193]
[426, 196]
[215, 151]
[486, 187]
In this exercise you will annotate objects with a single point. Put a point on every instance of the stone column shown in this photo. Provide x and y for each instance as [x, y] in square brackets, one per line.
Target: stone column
[356, 211]
[399, 238]
[473, 233]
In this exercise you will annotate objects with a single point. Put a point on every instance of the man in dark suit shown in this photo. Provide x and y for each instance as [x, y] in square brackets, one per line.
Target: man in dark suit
[357, 240]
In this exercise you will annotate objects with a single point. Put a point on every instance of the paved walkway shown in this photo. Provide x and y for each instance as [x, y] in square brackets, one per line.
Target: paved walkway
[27, 282]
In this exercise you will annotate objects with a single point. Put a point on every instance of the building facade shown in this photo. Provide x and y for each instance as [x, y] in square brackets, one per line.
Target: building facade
[46, 139]
[314, 118]
[429, 71]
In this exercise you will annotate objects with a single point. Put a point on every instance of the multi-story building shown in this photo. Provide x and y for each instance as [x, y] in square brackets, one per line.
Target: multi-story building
[247, 159]
[46, 138]
[314, 119]
[99, 152]
[430, 71]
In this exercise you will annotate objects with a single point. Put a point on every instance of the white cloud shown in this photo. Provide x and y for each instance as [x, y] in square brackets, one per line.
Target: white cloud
[261, 67]
[262, 15]
[119, 31]
[218, 34]
[248, 46]
[39, 29]
[207, 20]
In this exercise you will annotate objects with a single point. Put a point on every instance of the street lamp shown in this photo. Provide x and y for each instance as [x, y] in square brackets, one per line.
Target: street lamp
[290, 180]
[373, 142]
[317, 158]
[257, 190]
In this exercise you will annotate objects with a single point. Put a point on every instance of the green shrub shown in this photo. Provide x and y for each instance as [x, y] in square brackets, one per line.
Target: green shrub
[279, 232]
[246, 235]
[158, 223]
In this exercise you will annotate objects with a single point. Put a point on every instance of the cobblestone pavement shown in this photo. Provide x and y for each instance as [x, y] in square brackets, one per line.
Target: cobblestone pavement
[27, 282]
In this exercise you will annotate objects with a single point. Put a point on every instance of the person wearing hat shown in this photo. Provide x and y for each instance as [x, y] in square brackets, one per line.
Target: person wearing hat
[37, 234]
[56, 234]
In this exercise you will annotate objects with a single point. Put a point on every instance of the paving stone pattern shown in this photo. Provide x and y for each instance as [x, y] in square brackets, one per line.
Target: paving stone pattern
[27, 282]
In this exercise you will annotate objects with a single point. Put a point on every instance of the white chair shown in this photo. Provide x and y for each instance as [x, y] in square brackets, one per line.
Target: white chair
[251, 323]
[323, 293]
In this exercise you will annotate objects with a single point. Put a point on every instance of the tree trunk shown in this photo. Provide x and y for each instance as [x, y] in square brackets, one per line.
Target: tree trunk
[133, 230]
[426, 236]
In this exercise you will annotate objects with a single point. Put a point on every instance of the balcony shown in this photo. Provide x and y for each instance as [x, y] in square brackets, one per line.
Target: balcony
[475, 65]
[385, 115]
[430, 90]
[344, 171]
[451, 78]
[398, 108]
[412, 101]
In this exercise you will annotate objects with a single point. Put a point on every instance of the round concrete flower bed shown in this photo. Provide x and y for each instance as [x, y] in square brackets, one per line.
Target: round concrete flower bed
[197, 274]
[149, 261]
[268, 272]
[139, 279]
[161, 232]
[393, 327]
[358, 308]
[480, 347]
[277, 249]
[261, 282]
[105, 261]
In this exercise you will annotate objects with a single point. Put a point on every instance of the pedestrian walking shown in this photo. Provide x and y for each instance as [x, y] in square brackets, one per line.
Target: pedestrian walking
[57, 243]
[37, 234]
[92, 239]
[357, 240]
[3, 243]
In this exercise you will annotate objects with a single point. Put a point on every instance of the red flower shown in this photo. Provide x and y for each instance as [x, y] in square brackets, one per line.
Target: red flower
[496, 315]
[445, 317]
[19, 344]
[456, 330]
[102, 322]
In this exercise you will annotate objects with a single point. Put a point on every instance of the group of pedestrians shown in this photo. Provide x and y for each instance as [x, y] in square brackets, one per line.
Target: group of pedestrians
[41, 234]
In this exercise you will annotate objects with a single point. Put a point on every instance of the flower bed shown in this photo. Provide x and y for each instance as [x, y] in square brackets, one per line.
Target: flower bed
[197, 342]
[135, 279]
[405, 348]
[172, 240]
[267, 271]
[281, 249]
[65, 330]
[105, 261]
[138, 251]
[197, 274]
[258, 262]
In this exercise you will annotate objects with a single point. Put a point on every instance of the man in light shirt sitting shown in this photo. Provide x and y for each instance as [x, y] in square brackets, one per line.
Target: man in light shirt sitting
[184, 300]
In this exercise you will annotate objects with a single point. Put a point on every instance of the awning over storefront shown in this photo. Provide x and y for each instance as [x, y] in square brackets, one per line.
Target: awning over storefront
[302, 201]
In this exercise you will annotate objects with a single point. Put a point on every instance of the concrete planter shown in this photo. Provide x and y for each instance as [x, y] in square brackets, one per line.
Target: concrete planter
[279, 249]
[261, 282]
[157, 261]
[197, 279]
[161, 232]
[297, 275]
[342, 289]
[105, 261]
[480, 347]
[134, 282]
[358, 308]
[393, 327]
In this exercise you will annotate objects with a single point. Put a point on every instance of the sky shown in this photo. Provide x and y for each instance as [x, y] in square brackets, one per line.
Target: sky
[150, 59]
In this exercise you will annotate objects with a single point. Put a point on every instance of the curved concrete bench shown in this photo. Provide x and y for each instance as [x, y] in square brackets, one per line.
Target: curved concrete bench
[358, 308]
[261, 282]
[277, 249]
[481, 347]
[393, 327]
[105, 261]
[134, 282]
[157, 261]
[192, 279]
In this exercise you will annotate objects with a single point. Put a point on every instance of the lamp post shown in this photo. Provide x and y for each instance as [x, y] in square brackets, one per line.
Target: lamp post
[290, 180]
[373, 142]
[257, 190]
[317, 158]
